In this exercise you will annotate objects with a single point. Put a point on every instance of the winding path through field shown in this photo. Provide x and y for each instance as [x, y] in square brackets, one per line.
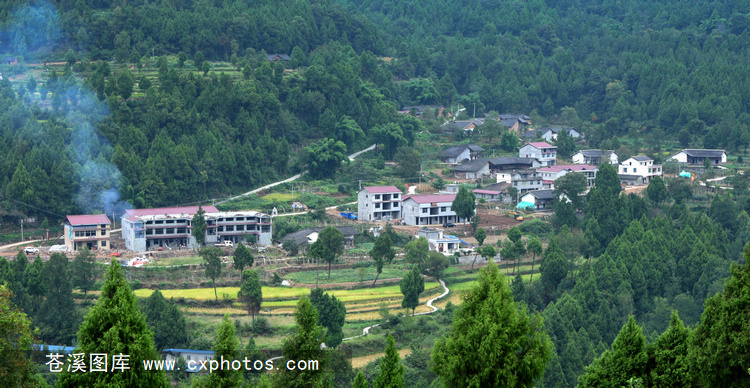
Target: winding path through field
[366, 330]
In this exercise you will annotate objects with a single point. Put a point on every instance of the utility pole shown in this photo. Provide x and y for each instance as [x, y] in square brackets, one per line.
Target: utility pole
[360, 185]
[22, 229]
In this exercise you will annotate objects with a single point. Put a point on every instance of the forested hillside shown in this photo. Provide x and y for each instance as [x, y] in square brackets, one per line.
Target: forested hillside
[634, 68]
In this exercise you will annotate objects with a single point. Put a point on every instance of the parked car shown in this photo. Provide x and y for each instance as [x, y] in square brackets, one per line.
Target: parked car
[30, 250]
[449, 225]
[226, 243]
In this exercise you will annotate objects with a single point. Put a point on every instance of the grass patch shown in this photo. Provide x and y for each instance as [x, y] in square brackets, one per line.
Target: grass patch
[278, 197]
[208, 293]
[362, 361]
[170, 261]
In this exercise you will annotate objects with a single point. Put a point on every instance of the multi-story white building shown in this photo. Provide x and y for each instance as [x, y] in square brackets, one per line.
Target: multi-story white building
[551, 174]
[641, 166]
[429, 209]
[438, 242]
[545, 153]
[523, 180]
[377, 203]
[87, 231]
[146, 229]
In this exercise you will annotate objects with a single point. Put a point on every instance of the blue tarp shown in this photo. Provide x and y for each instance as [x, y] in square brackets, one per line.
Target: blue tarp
[685, 174]
[524, 205]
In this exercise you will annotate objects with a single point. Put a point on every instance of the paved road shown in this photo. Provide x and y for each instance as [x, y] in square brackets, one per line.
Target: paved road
[366, 330]
[290, 179]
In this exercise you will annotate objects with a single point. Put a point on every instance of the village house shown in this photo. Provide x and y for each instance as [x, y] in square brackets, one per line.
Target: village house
[698, 156]
[515, 123]
[595, 157]
[375, 203]
[278, 57]
[419, 110]
[495, 192]
[474, 169]
[171, 228]
[465, 125]
[551, 174]
[307, 236]
[523, 180]
[459, 154]
[429, 209]
[550, 133]
[638, 170]
[546, 154]
[542, 199]
[87, 231]
[512, 163]
[192, 357]
[440, 242]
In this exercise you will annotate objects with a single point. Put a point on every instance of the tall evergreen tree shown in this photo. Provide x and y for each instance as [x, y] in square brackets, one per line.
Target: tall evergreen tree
[411, 286]
[116, 327]
[226, 347]
[720, 351]
[84, 267]
[391, 373]
[626, 359]
[16, 369]
[670, 356]
[166, 321]
[199, 226]
[464, 204]
[58, 318]
[554, 267]
[242, 257]
[331, 315]
[332, 242]
[493, 342]
[304, 344]
[360, 381]
[251, 292]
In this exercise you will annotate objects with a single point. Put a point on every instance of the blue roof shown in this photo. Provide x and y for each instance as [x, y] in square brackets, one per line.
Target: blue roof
[170, 350]
[56, 348]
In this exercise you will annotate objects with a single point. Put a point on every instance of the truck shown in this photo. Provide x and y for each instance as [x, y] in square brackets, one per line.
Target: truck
[349, 215]
[226, 243]
[30, 250]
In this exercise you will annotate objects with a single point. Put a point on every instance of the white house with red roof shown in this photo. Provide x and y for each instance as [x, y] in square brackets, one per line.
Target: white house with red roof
[376, 203]
[552, 173]
[546, 154]
[171, 227]
[87, 231]
[429, 209]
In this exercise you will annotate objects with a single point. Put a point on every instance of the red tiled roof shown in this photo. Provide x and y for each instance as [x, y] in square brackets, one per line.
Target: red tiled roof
[481, 191]
[541, 144]
[170, 210]
[94, 219]
[430, 198]
[383, 189]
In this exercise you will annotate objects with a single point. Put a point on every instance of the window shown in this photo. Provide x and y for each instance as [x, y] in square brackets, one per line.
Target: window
[442, 209]
[104, 232]
[395, 196]
[104, 243]
[149, 232]
[170, 221]
[170, 231]
[635, 170]
[181, 230]
[229, 219]
[229, 228]
[377, 206]
[424, 210]
[220, 229]
[624, 169]
[377, 196]
[240, 228]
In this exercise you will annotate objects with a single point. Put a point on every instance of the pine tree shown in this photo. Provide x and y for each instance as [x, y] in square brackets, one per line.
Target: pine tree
[331, 315]
[391, 373]
[627, 359]
[493, 343]
[83, 270]
[251, 292]
[242, 258]
[199, 222]
[115, 326]
[554, 267]
[719, 350]
[411, 286]
[304, 344]
[670, 356]
[165, 319]
[360, 381]
[226, 347]
[58, 318]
